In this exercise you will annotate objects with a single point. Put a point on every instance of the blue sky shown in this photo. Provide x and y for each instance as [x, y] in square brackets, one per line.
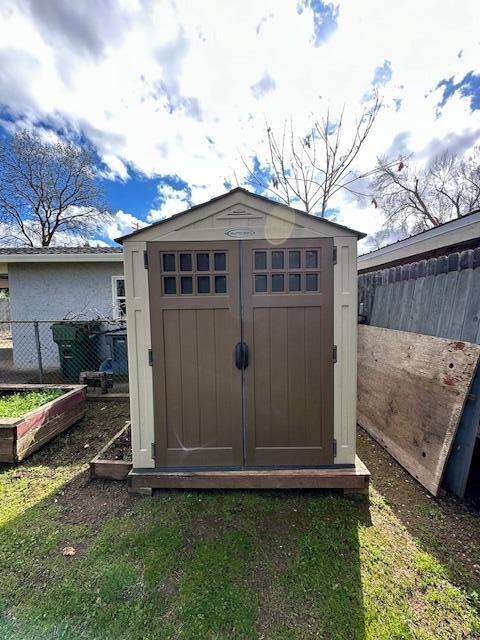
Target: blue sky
[173, 96]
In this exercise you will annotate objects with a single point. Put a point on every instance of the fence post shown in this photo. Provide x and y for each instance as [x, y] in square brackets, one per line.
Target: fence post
[39, 351]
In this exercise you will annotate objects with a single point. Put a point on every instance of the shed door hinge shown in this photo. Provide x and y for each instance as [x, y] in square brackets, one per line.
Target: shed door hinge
[154, 451]
[334, 448]
[145, 259]
[334, 255]
[334, 353]
[150, 358]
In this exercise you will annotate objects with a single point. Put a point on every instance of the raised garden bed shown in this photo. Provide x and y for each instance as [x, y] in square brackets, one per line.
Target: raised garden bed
[25, 432]
[114, 461]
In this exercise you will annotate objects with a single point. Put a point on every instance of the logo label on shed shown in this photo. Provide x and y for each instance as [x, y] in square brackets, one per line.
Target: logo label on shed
[240, 233]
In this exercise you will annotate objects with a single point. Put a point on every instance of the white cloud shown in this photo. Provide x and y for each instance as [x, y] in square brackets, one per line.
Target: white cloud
[150, 83]
[116, 168]
[121, 224]
[171, 201]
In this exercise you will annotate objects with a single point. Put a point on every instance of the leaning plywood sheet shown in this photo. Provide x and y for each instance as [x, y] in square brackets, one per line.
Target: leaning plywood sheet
[411, 393]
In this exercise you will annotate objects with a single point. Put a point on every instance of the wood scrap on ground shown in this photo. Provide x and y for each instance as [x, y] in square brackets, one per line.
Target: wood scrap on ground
[411, 392]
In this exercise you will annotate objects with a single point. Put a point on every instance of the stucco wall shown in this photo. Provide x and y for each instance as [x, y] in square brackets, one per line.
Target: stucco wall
[50, 292]
[4, 309]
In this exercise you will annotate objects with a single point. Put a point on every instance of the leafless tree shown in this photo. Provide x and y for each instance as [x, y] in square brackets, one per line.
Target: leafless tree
[312, 168]
[420, 197]
[47, 191]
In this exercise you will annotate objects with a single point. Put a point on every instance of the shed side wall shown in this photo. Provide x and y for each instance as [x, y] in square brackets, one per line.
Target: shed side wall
[139, 342]
[345, 337]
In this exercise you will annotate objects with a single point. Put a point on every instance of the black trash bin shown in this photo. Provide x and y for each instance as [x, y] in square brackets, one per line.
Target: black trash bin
[77, 347]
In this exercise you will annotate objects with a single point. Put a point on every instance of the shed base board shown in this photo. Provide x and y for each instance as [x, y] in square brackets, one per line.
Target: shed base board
[351, 478]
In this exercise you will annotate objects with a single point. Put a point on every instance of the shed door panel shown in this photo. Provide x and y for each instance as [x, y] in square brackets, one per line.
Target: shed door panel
[288, 327]
[195, 320]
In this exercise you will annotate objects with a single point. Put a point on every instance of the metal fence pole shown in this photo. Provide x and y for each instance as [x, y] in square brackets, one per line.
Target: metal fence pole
[39, 351]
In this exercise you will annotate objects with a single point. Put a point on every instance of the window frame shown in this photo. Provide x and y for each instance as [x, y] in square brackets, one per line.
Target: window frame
[116, 299]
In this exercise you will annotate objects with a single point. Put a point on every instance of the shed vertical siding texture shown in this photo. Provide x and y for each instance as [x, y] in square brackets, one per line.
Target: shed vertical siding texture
[438, 297]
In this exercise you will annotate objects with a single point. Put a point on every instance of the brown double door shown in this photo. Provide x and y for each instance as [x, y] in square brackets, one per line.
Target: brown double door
[242, 338]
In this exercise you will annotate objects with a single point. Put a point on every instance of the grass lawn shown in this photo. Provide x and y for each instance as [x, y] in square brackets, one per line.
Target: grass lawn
[226, 565]
[13, 405]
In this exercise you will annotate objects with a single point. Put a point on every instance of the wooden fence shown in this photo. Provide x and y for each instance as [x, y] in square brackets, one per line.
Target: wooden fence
[437, 297]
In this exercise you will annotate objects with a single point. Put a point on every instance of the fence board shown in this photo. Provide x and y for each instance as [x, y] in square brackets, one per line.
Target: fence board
[471, 325]
[440, 297]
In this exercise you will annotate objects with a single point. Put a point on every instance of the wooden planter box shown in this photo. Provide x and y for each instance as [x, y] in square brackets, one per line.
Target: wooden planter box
[103, 469]
[20, 437]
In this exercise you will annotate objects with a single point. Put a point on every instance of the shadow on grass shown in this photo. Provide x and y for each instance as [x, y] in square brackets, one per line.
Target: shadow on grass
[187, 565]
[190, 565]
[446, 527]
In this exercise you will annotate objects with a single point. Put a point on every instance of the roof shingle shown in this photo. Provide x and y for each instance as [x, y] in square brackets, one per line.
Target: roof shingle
[13, 251]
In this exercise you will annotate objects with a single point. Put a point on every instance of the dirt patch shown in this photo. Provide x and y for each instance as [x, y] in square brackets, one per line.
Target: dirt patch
[81, 442]
[82, 501]
[445, 526]
[91, 503]
[120, 449]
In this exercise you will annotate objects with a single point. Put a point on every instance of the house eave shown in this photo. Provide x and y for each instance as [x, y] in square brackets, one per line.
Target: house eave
[452, 233]
[60, 257]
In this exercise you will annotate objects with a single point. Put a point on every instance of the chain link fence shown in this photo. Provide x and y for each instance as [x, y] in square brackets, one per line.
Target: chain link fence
[50, 351]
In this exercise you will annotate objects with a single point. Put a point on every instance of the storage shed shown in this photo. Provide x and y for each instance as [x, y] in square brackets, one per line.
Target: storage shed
[242, 320]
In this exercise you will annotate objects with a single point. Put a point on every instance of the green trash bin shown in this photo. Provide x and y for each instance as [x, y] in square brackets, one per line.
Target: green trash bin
[77, 347]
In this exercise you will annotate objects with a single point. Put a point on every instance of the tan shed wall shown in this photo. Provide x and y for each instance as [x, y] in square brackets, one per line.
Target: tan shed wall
[212, 226]
[140, 373]
[345, 337]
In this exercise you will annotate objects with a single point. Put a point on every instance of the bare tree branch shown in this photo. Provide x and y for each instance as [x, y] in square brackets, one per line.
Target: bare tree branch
[311, 168]
[419, 198]
[47, 188]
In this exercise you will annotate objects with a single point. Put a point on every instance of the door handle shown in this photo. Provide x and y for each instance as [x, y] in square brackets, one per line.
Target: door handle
[241, 355]
[245, 355]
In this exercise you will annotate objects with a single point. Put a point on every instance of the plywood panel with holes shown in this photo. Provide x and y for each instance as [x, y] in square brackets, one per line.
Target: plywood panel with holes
[411, 393]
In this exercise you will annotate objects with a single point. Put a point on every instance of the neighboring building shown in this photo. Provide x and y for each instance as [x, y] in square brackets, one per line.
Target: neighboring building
[459, 234]
[55, 283]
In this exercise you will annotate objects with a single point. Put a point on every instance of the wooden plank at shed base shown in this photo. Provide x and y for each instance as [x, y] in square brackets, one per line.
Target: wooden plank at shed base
[102, 468]
[109, 469]
[412, 390]
[353, 478]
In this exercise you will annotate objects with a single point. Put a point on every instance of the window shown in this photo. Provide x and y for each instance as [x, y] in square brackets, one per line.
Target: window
[194, 273]
[287, 270]
[118, 297]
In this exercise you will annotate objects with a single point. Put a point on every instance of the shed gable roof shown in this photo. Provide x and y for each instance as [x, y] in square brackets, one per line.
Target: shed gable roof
[237, 196]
